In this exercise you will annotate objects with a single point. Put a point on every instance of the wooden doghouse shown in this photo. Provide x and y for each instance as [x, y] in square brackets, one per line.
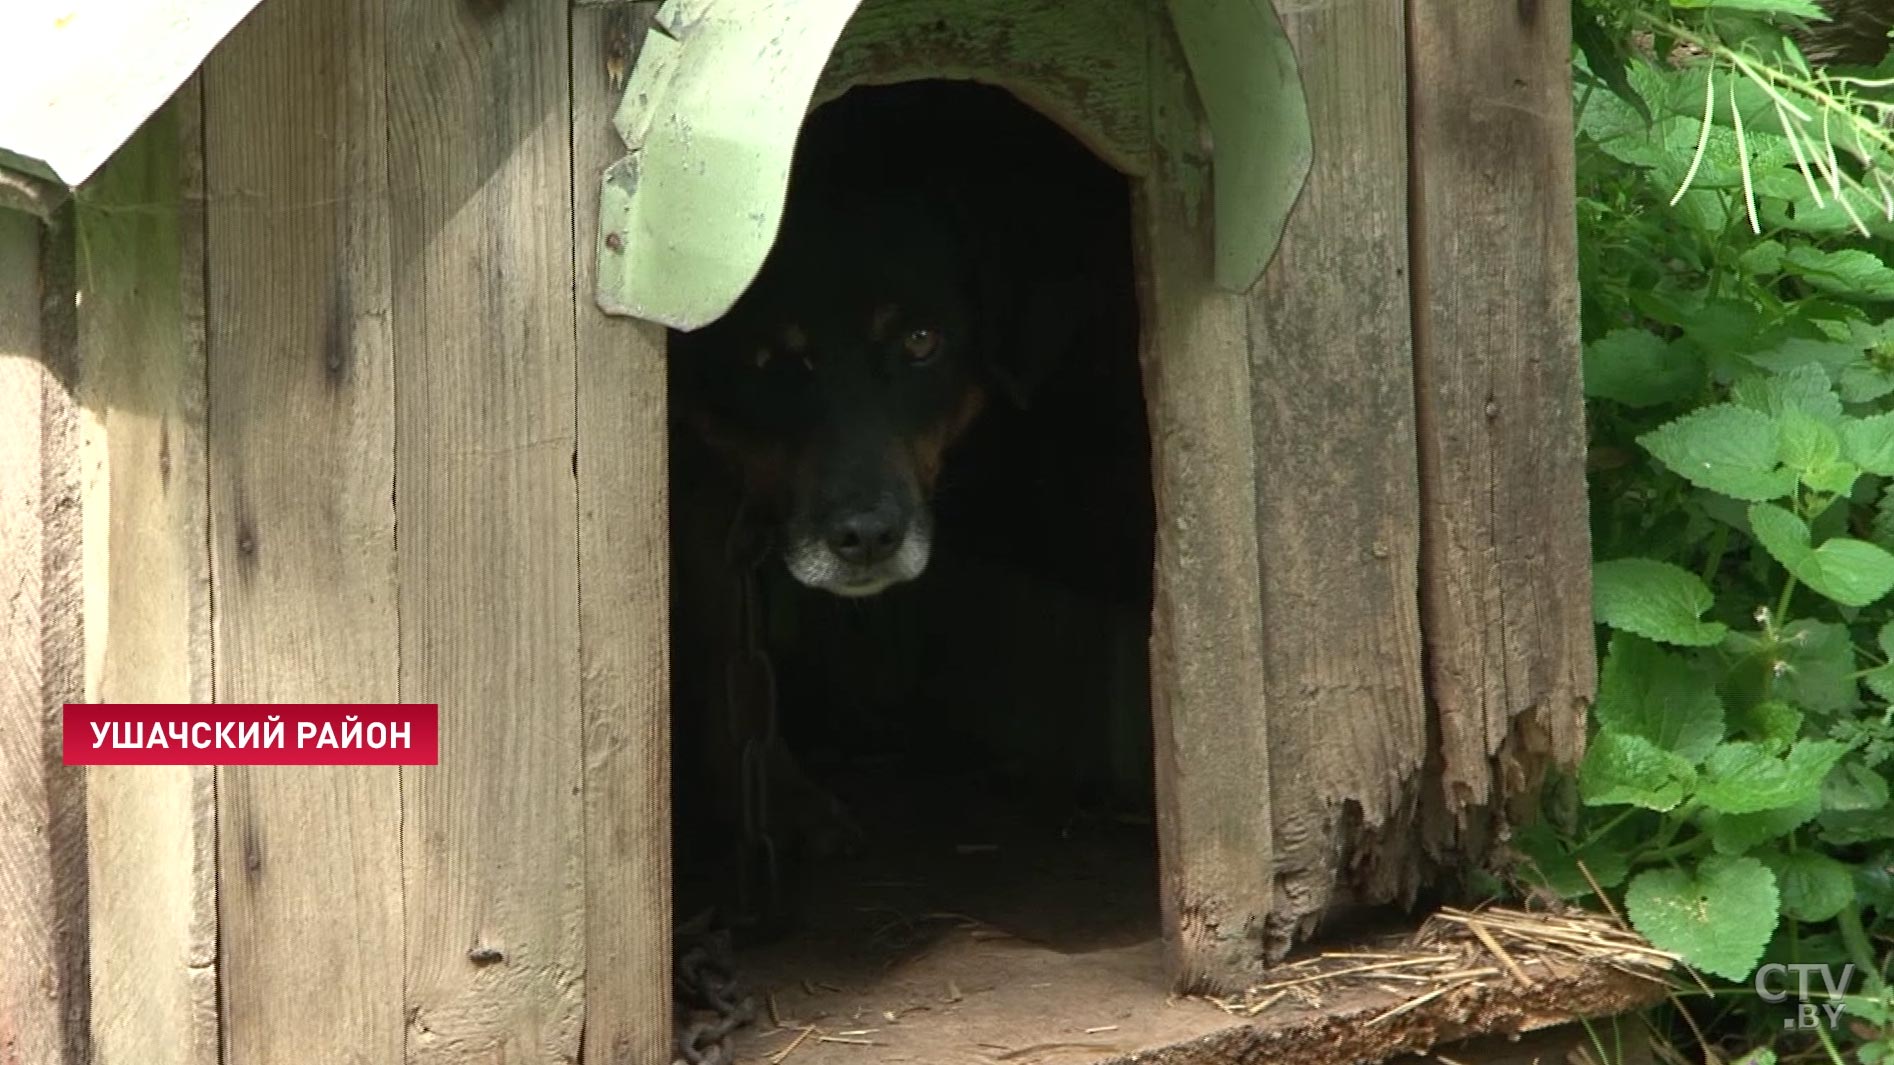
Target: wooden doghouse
[308, 397]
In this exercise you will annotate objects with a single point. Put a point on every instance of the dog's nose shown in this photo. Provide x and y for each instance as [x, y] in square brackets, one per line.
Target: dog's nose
[866, 537]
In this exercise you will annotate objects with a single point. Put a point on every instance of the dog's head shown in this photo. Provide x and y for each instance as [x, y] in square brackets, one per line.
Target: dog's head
[836, 385]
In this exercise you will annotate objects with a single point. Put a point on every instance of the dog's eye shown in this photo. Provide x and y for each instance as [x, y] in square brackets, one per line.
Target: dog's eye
[921, 346]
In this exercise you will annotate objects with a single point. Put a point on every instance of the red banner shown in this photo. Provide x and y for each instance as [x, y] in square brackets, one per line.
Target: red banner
[251, 734]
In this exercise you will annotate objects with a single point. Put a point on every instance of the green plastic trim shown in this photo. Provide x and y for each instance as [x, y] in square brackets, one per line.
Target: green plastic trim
[714, 106]
[1245, 72]
[710, 116]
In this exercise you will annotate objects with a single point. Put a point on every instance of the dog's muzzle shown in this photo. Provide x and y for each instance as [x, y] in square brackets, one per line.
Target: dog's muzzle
[860, 553]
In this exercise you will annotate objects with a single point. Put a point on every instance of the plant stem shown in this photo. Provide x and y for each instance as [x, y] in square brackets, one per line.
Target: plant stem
[1782, 604]
[1674, 821]
[1605, 829]
[1860, 951]
[1828, 1044]
[1672, 851]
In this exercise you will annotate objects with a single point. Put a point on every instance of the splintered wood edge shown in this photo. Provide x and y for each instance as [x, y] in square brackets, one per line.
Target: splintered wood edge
[1359, 1026]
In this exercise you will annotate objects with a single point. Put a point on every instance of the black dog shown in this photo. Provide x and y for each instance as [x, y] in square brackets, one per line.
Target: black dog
[911, 287]
[811, 423]
[833, 390]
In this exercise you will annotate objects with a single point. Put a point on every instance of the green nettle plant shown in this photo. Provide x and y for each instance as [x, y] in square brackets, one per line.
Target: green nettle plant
[1738, 308]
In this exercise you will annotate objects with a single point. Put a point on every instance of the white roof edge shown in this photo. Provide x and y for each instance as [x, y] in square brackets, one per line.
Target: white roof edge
[81, 76]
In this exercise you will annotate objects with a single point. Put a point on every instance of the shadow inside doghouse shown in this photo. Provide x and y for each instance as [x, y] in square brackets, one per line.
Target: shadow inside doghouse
[988, 724]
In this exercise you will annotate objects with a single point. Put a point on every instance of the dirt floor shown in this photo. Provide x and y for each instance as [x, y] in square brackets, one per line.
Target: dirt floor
[1007, 938]
[1018, 937]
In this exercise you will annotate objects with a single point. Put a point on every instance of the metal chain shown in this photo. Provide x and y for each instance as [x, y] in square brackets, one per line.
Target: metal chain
[705, 979]
[750, 702]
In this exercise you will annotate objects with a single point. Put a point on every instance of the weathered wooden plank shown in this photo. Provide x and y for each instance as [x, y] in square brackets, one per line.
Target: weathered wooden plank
[146, 607]
[624, 632]
[303, 523]
[480, 146]
[1336, 513]
[1506, 594]
[43, 988]
[1355, 1027]
[1207, 677]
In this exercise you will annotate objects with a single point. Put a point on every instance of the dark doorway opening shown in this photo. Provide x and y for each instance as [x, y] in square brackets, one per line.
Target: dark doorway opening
[987, 726]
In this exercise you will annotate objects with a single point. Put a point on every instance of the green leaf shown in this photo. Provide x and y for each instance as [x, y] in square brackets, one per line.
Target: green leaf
[1722, 325]
[1603, 58]
[1880, 680]
[1719, 916]
[1807, 664]
[1793, 353]
[1773, 724]
[1869, 443]
[1742, 833]
[1812, 448]
[1644, 691]
[1815, 661]
[1764, 258]
[1846, 828]
[1782, 534]
[1623, 770]
[1804, 388]
[1850, 572]
[1655, 600]
[1553, 863]
[1638, 369]
[1814, 887]
[1832, 478]
[1742, 777]
[1863, 382]
[1724, 448]
[1874, 882]
[1806, 442]
[1881, 525]
[1853, 786]
[1851, 273]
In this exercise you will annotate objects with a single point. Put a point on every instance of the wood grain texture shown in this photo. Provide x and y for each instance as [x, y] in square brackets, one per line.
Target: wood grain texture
[1348, 1029]
[43, 988]
[1336, 498]
[493, 860]
[303, 523]
[146, 607]
[1506, 556]
[1208, 703]
[624, 588]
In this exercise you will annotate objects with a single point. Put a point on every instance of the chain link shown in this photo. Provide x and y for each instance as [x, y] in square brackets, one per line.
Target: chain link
[750, 702]
[705, 980]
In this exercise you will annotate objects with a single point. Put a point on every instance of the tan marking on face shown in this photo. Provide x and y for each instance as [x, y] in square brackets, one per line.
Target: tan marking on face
[879, 322]
[765, 467]
[929, 450]
[795, 338]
